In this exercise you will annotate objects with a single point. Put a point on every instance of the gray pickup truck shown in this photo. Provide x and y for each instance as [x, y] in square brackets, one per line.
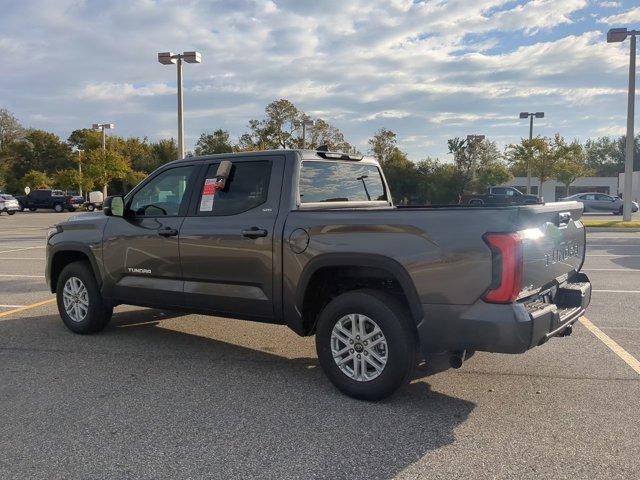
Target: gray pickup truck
[312, 240]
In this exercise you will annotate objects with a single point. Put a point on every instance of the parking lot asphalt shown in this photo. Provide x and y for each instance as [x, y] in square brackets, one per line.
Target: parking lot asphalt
[164, 395]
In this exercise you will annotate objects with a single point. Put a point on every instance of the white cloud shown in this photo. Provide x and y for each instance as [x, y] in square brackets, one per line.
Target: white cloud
[624, 18]
[115, 91]
[609, 4]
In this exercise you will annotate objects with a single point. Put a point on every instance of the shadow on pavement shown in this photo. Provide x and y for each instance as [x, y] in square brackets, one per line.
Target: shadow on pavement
[144, 401]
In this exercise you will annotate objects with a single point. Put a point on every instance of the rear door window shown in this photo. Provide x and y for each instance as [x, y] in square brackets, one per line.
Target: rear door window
[246, 188]
[340, 182]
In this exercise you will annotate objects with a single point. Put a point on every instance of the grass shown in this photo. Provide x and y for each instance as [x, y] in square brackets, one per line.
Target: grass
[610, 223]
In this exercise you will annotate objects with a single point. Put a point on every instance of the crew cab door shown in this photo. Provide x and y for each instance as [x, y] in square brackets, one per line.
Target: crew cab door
[226, 246]
[141, 250]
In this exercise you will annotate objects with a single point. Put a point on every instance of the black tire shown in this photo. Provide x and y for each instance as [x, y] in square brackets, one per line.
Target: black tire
[71, 209]
[396, 326]
[619, 212]
[11, 212]
[91, 207]
[32, 209]
[476, 202]
[58, 208]
[98, 314]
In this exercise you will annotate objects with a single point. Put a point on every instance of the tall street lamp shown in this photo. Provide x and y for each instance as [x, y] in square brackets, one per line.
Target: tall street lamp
[530, 115]
[304, 124]
[103, 127]
[616, 35]
[168, 58]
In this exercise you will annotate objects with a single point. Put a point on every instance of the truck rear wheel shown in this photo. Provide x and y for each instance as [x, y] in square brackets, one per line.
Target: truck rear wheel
[366, 344]
[79, 301]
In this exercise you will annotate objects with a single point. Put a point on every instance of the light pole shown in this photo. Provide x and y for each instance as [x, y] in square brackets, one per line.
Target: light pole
[103, 127]
[472, 141]
[168, 58]
[80, 171]
[304, 124]
[530, 116]
[364, 184]
[616, 35]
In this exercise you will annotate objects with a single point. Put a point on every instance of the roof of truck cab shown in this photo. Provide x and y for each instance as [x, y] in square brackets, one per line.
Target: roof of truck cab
[305, 154]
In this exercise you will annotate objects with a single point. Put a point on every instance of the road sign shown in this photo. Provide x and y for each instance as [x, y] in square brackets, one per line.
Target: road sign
[27, 190]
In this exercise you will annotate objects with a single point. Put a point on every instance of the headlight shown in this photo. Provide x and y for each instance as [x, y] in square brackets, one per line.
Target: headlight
[53, 230]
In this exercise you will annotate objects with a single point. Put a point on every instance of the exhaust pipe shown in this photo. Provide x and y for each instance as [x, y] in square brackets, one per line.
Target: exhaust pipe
[457, 358]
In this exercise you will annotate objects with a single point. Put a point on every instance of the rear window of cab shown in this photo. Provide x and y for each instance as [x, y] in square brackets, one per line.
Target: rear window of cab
[333, 181]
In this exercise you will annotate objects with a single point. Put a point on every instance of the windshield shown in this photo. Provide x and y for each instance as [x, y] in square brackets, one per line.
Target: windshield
[340, 182]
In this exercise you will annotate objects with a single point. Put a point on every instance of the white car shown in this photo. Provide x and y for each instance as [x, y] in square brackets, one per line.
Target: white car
[8, 204]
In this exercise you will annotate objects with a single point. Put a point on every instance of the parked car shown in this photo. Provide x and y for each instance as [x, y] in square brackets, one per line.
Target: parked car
[312, 240]
[49, 199]
[500, 196]
[600, 202]
[8, 204]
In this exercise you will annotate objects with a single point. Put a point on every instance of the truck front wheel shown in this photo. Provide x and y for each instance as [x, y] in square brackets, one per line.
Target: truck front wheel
[79, 301]
[366, 344]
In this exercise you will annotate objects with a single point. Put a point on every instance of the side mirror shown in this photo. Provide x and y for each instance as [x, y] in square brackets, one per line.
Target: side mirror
[223, 172]
[114, 206]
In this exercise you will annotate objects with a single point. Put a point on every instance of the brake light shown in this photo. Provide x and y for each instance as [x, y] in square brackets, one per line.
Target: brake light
[506, 249]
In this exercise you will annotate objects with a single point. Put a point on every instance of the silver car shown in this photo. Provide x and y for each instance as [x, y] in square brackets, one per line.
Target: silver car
[600, 202]
[8, 204]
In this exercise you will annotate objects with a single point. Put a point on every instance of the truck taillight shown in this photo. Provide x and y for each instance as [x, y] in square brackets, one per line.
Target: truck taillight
[506, 250]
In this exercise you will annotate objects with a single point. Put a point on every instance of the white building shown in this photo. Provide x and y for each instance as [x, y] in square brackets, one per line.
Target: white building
[636, 185]
[553, 190]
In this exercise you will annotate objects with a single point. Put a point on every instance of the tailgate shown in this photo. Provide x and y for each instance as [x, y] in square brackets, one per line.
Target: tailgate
[553, 240]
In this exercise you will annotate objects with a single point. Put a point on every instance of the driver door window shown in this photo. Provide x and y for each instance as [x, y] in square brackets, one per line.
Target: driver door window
[163, 195]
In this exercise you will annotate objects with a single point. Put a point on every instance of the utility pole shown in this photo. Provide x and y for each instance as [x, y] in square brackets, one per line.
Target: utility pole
[530, 115]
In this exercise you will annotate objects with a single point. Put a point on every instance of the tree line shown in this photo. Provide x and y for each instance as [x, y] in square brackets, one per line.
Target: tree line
[36, 158]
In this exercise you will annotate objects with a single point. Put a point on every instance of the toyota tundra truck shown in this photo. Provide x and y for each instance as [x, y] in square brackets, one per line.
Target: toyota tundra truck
[312, 240]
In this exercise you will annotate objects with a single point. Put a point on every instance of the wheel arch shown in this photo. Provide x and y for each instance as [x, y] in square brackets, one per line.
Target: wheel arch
[353, 266]
[63, 255]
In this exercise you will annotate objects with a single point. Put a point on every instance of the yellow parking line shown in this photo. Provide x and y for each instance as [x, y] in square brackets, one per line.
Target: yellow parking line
[609, 342]
[26, 307]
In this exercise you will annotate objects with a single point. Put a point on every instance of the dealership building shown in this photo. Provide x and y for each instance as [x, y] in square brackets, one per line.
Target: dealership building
[553, 190]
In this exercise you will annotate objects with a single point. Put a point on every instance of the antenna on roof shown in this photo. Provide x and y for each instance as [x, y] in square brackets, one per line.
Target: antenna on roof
[323, 148]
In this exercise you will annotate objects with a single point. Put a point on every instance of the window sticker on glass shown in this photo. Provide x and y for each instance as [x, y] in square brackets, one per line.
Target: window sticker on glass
[209, 189]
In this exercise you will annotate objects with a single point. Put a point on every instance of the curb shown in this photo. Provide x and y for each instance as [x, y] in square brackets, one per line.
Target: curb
[612, 229]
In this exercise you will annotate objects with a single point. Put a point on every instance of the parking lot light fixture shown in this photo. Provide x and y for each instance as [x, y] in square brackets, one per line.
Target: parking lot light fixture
[616, 35]
[169, 58]
[103, 127]
[304, 124]
[530, 116]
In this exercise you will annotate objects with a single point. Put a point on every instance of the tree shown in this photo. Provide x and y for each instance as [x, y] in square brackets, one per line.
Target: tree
[85, 139]
[323, 133]
[211, 143]
[571, 165]
[71, 179]
[383, 144]
[104, 166]
[162, 151]
[10, 128]
[400, 172]
[478, 163]
[35, 179]
[35, 150]
[538, 153]
[282, 128]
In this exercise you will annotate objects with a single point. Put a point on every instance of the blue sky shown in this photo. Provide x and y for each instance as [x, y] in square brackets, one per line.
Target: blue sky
[429, 70]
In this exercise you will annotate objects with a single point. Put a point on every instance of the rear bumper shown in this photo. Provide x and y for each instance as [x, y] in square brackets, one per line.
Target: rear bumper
[512, 328]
